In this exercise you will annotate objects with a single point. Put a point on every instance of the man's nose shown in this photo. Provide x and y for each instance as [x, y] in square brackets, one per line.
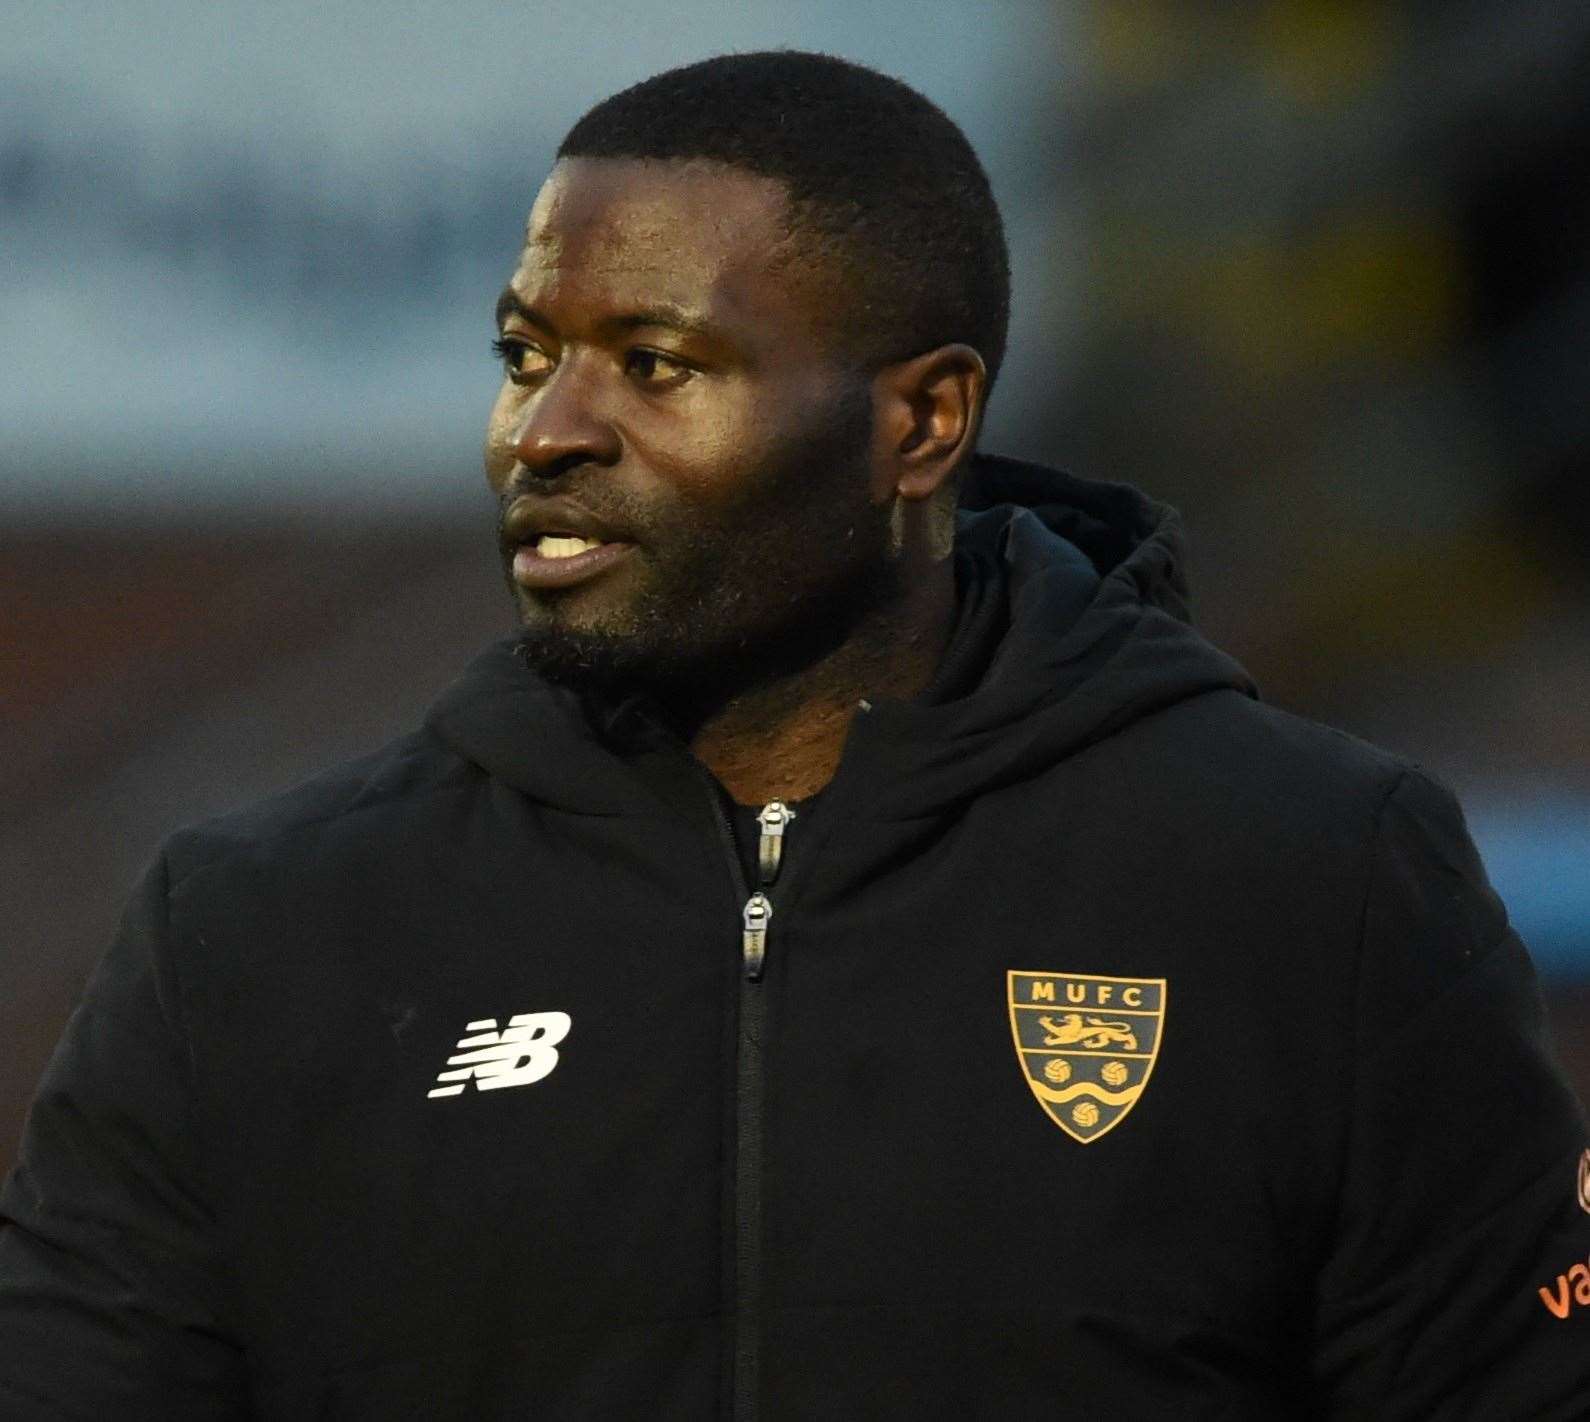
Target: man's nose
[562, 425]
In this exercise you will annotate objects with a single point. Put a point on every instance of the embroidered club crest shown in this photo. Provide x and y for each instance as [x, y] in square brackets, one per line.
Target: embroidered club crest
[1086, 1044]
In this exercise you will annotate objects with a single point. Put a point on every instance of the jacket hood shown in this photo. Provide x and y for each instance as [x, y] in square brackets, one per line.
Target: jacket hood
[1073, 624]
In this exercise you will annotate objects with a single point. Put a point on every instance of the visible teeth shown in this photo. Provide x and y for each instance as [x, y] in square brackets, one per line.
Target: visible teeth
[553, 545]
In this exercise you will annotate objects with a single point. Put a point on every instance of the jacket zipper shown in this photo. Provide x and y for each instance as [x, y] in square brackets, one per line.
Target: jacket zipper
[774, 819]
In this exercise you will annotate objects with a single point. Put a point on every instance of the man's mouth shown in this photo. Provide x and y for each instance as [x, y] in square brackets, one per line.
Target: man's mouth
[559, 560]
[555, 542]
[562, 545]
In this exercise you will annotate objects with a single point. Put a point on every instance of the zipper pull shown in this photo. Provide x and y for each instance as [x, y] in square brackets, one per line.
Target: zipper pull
[774, 817]
[758, 909]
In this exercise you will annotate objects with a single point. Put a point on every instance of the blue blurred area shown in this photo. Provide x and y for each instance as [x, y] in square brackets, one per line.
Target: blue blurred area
[1536, 845]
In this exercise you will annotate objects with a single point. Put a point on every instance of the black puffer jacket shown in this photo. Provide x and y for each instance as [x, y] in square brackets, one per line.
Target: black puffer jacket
[1100, 1042]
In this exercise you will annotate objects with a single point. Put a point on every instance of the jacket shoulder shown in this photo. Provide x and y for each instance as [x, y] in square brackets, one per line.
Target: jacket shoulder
[349, 800]
[1297, 803]
[1263, 755]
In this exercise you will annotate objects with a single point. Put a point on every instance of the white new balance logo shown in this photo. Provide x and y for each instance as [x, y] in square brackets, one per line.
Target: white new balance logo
[524, 1051]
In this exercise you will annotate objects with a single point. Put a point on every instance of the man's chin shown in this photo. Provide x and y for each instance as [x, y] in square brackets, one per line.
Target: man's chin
[604, 664]
[690, 653]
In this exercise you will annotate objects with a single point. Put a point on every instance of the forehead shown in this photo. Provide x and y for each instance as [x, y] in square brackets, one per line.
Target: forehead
[696, 234]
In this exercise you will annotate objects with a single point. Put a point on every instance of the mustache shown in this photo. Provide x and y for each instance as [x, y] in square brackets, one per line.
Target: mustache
[525, 515]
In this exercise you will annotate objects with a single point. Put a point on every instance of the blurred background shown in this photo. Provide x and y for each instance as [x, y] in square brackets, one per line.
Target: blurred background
[1315, 271]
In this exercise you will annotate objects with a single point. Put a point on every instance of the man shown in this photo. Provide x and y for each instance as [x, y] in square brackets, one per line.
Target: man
[845, 959]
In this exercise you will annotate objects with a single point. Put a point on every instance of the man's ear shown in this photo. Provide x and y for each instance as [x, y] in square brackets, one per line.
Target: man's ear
[927, 410]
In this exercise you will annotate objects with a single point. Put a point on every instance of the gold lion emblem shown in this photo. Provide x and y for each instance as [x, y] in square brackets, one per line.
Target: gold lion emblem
[1071, 1030]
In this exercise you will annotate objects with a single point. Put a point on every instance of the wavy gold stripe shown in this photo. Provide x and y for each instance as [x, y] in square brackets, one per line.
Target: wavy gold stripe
[1087, 1088]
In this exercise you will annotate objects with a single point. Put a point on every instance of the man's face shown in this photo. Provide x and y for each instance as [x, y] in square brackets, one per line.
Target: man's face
[673, 395]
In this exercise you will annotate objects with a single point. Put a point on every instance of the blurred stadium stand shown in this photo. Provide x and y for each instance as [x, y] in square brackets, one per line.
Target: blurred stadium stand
[1333, 272]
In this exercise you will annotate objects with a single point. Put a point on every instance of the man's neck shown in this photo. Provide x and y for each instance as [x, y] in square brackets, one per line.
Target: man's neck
[783, 740]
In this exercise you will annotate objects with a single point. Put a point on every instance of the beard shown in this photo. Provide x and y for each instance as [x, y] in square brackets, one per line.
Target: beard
[734, 594]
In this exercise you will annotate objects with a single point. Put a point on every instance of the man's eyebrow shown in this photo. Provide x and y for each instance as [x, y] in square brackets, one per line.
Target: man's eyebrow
[509, 304]
[670, 317]
[666, 315]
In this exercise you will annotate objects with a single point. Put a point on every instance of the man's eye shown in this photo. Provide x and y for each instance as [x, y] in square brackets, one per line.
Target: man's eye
[656, 369]
[520, 359]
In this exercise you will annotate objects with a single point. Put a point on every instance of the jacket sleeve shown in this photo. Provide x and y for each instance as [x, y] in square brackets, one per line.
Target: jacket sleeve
[110, 1296]
[1457, 1284]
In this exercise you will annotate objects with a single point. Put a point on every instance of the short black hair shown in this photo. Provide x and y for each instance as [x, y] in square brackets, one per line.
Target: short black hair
[879, 175]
